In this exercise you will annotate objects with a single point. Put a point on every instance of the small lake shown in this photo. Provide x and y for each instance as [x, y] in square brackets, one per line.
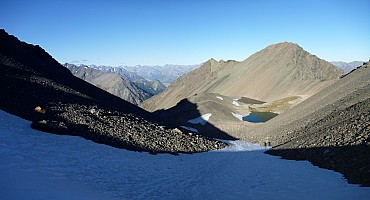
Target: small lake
[259, 117]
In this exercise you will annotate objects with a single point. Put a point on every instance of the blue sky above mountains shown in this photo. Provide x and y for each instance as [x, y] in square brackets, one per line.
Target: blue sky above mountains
[187, 31]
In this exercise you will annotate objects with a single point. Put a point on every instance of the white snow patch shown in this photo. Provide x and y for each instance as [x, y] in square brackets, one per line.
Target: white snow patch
[190, 129]
[85, 67]
[238, 116]
[218, 97]
[235, 102]
[201, 120]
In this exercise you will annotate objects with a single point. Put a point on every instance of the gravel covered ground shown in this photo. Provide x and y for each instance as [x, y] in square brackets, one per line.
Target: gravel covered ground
[122, 130]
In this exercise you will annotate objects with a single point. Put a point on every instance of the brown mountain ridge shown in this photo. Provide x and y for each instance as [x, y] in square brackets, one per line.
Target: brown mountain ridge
[278, 71]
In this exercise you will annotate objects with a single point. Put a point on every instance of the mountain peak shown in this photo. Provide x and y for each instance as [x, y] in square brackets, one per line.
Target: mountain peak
[295, 62]
[284, 45]
[281, 51]
[210, 62]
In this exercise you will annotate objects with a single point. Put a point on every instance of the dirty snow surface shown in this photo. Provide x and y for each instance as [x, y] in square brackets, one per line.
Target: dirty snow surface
[201, 120]
[37, 165]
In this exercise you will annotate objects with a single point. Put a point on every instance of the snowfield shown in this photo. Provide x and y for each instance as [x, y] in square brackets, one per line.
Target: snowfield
[218, 97]
[37, 165]
[201, 120]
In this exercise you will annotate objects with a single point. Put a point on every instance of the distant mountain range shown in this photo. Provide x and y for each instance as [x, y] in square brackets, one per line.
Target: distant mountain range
[166, 74]
[112, 83]
[347, 67]
[147, 78]
[151, 86]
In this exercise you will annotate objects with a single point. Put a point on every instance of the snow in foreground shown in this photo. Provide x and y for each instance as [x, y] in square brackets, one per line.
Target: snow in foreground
[37, 165]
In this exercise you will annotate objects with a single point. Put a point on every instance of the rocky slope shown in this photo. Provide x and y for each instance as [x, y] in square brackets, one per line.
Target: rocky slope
[110, 82]
[276, 72]
[151, 86]
[37, 88]
[330, 129]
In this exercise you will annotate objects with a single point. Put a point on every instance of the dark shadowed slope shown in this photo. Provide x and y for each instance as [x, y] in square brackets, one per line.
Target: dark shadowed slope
[23, 63]
[30, 77]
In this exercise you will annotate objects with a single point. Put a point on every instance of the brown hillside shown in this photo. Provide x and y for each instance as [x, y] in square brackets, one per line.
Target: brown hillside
[278, 71]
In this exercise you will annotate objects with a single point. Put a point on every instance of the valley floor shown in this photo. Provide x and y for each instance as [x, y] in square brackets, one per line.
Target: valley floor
[38, 165]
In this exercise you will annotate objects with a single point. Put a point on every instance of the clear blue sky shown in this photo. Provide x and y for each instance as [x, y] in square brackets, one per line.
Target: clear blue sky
[157, 32]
